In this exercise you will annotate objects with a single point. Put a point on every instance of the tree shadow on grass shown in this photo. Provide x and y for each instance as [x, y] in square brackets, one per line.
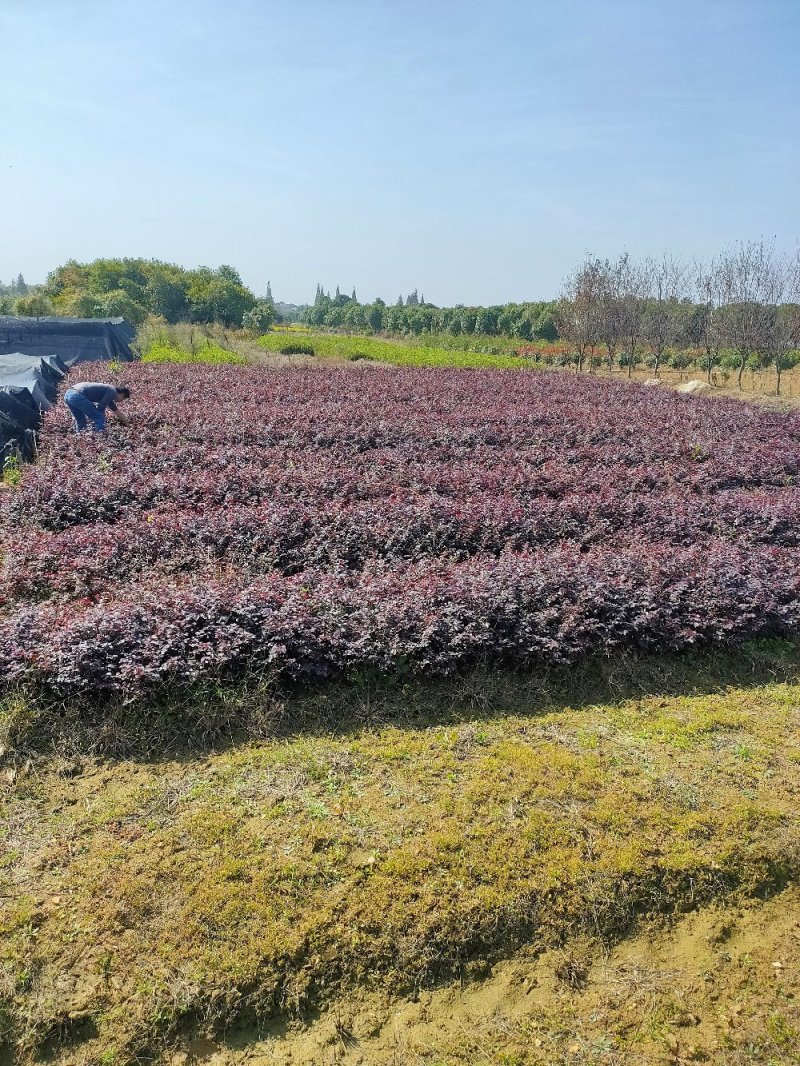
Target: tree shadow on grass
[192, 723]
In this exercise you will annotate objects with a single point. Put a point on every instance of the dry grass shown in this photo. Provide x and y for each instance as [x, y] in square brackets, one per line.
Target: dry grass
[387, 837]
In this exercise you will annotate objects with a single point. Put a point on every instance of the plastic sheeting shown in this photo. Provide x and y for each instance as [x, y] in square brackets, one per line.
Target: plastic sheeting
[74, 340]
[35, 354]
[28, 386]
[38, 376]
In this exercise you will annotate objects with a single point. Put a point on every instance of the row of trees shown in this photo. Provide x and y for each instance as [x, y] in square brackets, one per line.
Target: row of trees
[16, 287]
[526, 321]
[745, 302]
[135, 288]
[19, 298]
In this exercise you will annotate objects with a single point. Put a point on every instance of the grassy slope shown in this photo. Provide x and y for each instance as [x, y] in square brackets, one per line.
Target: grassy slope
[388, 838]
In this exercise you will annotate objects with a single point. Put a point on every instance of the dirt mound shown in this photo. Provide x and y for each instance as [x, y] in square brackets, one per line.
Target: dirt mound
[691, 387]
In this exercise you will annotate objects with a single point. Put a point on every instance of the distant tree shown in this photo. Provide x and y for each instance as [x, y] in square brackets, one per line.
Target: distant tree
[80, 304]
[399, 301]
[118, 304]
[704, 325]
[545, 328]
[20, 287]
[231, 274]
[375, 316]
[66, 280]
[165, 295]
[633, 286]
[746, 274]
[214, 296]
[268, 295]
[482, 321]
[354, 315]
[36, 305]
[610, 309]
[665, 316]
[784, 320]
[578, 312]
[259, 319]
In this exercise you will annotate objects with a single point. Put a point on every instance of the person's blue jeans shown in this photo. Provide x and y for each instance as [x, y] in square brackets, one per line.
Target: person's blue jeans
[84, 411]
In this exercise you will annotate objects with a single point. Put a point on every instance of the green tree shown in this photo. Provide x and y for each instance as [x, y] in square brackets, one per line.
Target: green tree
[165, 295]
[215, 296]
[34, 306]
[118, 304]
[259, 318]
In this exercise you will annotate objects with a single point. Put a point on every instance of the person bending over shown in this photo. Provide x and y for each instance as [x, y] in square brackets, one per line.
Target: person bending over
[88, 401]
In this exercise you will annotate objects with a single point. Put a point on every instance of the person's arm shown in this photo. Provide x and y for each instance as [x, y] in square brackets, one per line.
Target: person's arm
[111, 408]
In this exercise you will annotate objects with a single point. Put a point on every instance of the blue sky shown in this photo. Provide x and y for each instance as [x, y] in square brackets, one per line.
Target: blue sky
[474, 151]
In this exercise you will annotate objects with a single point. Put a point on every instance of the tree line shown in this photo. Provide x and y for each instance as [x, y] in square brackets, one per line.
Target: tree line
[740, 310]
[413, 315]
[742, 307]
[136, 288]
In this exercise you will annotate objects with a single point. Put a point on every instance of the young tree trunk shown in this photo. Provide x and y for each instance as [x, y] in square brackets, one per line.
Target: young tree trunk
[778, 372]
[741, 372]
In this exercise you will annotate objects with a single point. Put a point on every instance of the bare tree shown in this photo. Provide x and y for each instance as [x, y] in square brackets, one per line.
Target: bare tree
[610, 312]
[746, 282]
[633, 291]
[707, 294]
[578, 310]
[665, 311]
[784, 313]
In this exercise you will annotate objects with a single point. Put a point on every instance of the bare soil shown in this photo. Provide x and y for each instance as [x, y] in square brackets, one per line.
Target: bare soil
[719, 986]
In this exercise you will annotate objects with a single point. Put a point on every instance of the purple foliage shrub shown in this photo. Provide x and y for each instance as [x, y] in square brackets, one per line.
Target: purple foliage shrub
[319, 522]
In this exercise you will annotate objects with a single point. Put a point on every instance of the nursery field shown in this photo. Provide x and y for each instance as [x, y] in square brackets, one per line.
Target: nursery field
[309, 525]
[405, 716]
[499, 352]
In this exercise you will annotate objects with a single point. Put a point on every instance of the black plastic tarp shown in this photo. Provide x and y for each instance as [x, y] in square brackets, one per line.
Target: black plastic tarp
[18, 405]
[38, 376]
[28, 386]
[15, 440]
[74, 340]
[35, 354]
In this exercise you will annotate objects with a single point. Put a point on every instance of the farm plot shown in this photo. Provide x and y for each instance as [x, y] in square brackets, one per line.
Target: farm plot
[312, 524]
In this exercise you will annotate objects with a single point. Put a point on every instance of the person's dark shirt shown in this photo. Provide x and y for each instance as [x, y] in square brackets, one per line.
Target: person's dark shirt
[104, 396]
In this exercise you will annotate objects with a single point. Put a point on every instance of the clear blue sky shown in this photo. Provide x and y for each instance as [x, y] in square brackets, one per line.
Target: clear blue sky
[472, 150]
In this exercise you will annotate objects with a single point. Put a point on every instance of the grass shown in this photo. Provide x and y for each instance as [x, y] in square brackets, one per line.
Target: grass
[209, 353]
[379, 837]
[386, 351]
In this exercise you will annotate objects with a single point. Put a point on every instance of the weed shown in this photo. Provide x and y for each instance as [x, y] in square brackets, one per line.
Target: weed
[12, 470]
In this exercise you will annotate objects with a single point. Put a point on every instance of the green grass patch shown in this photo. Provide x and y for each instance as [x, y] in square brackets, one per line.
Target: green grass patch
[210, 353]
[397, 353]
